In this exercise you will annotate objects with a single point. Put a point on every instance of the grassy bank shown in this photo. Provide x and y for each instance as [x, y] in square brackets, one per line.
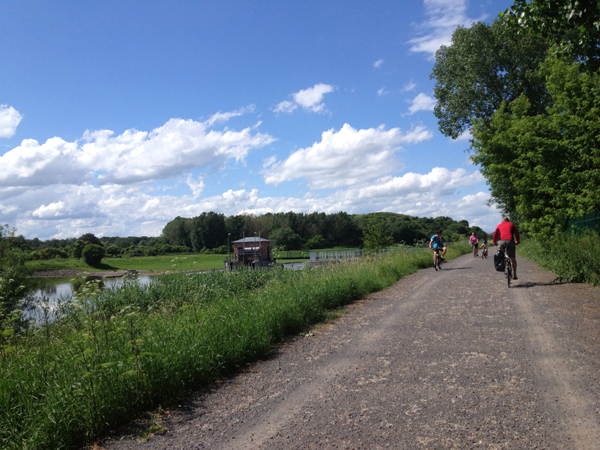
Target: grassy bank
[575, 257]
[111, 356]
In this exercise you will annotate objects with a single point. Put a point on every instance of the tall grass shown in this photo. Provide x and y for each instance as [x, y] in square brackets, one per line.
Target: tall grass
[575, 257]
[112, 355]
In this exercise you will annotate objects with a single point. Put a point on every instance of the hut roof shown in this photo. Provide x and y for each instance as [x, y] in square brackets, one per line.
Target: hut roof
[251, 239]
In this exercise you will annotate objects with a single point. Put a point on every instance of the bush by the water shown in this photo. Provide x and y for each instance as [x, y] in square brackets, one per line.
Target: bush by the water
[575, 257]
[93, 254]
[110, 356]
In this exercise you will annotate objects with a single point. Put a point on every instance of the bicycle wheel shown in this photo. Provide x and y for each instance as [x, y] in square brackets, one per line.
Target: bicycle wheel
[508, 273]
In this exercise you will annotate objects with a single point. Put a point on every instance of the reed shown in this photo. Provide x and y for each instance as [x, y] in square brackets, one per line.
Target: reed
[111, 355]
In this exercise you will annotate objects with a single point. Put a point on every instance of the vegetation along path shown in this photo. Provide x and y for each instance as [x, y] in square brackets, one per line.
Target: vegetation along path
[447, 360]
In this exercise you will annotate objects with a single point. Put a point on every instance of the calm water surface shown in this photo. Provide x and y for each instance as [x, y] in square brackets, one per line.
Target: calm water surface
[53, 290]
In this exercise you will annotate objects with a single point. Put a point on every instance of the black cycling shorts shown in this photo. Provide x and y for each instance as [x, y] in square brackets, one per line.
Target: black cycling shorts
[511, 250]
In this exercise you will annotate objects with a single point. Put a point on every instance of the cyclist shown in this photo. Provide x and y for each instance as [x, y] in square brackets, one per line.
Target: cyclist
[474, 240]
[507, 235]
[438, 241]
[483, 246]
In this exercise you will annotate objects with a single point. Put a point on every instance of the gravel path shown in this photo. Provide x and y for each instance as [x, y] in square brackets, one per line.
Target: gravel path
[446, 360]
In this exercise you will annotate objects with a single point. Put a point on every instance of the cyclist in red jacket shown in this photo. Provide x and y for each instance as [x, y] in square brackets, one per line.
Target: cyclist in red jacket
[507, 236]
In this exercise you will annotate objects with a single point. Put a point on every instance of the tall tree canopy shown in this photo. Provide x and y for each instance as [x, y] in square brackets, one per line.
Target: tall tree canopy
[572, 27]
[545, 168]
[482, 67]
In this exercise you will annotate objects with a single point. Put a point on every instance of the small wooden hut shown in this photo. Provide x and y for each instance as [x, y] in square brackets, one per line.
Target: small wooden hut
[251, 251]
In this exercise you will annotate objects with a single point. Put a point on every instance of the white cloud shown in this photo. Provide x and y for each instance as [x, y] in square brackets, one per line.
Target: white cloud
[443, 16]
[464, 136]
[134, 156]
[417, 134]
[377, 64]
[197, 186]
[55, 209]
[114, 210]
[346, 157]
[224, 117]
[422, 102]
[9, 121]
[310, 99]
[285, 106]
[382, 92]
[409, 86]
[269, 161]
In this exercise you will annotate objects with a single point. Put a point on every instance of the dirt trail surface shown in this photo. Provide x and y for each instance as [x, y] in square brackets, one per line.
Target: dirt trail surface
[441, 360]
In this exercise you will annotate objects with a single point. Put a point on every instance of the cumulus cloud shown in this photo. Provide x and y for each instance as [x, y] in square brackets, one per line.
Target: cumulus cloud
[443, 16]
[422, 102]
[381, 92]
[9, 121]
[113, 210]
[310, 99]
[345, 157]
[131, 157]
[377, 64]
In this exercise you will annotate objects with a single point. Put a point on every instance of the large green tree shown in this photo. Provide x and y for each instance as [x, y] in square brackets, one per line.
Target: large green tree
[177, 231]
[482, 67]
[285, 239]
[546, 167]
[571, 27]
[377, 234]
[208, 230]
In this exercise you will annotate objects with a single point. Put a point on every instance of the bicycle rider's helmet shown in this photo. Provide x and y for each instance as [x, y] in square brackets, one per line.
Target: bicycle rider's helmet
[484, 241]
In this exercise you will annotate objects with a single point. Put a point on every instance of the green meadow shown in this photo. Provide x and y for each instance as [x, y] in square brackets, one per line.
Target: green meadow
[179, 262]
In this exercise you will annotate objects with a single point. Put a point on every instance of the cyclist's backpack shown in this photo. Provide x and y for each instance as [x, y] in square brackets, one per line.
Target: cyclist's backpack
[499, 261]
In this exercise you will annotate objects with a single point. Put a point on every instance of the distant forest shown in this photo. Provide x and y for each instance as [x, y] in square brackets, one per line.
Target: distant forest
[295, 231]
[210, 231]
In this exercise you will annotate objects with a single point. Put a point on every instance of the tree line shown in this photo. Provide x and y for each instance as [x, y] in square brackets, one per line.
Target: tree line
[296, 231]
[527, 88]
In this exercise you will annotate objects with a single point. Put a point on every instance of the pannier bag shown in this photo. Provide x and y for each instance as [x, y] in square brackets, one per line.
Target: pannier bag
[499, 261]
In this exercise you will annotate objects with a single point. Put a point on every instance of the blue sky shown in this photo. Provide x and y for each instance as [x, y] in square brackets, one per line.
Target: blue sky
[118, 116]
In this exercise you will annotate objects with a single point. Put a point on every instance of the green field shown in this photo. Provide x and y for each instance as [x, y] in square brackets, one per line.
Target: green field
[161, 263]
[181, 262]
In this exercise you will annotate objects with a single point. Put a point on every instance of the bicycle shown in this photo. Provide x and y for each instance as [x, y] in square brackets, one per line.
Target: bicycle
[475, 251]
[508, 270]
[438, 259]
[484, 253]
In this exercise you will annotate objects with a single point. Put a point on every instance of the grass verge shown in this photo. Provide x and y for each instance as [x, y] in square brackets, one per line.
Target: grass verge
[109, 357]
[575, 257]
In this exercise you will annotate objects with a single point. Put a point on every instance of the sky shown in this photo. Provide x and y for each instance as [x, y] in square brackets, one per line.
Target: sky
[117, 116]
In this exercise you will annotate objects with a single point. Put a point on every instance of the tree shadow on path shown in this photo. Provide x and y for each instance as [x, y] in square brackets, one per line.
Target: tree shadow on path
[529, 284]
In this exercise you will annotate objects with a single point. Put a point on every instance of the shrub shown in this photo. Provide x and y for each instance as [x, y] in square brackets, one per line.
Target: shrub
[572, 256]
[93, 254]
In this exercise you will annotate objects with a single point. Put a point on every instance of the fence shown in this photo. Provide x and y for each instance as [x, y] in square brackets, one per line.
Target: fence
[590, 221]
[334, 254]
